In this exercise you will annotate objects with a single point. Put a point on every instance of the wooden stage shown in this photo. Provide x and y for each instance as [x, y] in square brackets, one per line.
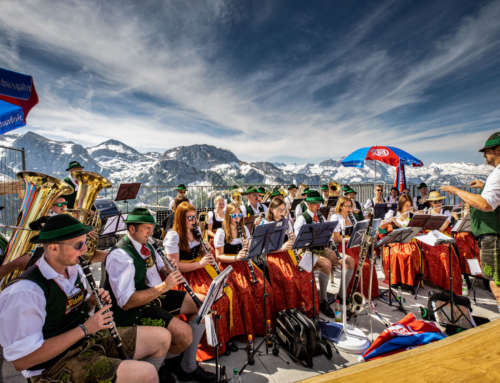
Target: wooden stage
[470, 356]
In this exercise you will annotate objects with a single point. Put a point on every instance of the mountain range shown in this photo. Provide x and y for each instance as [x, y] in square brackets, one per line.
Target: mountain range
[207, 165]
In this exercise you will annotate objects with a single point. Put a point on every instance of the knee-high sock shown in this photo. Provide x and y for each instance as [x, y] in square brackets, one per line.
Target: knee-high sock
[157, 362]
[323, 285]
[348, 276]
[188, 362]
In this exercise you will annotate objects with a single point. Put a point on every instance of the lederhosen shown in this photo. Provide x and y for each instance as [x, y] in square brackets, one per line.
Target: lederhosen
[156, 313]
[485, 226]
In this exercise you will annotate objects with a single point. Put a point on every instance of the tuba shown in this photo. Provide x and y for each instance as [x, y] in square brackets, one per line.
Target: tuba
[40, 192]
[89, 186]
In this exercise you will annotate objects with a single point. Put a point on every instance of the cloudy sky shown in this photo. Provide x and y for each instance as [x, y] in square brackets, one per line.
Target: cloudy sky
[276, 80]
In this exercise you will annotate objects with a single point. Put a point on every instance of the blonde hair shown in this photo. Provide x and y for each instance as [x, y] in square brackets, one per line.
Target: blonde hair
[340, 203]
[226, 225]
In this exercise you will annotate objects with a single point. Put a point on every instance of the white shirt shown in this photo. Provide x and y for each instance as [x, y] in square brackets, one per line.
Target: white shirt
[74, 182]
[220, 238]
[171, 204]
[22, 305]
[370, 203]
[491, 190]
[121, 271]
[171, 243]
[402, 222]
[211, 215]
[301, 221]
[342, 222]
[256, 210]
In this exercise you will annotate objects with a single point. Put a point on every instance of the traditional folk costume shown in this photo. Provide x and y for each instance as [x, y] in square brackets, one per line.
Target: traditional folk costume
[250, 295]
[42, 304]
[354, 252]
[291, 286]
[230, 323]
[358, 209]
[172, 202]
[215, 220]
[249, 210]
[72, 182]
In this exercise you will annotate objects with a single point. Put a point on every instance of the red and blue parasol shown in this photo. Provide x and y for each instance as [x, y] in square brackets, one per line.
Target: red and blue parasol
[17, 97]
[386, 154]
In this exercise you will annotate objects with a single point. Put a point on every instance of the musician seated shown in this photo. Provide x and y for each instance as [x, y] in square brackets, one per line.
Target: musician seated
[19, 263]
[327, 258]
[420, 201]
[302, 206]
[253, 205]
[140, 296]
[216, 217]
[357, 210]
[436, 208]
[393, 196]
[47, 330]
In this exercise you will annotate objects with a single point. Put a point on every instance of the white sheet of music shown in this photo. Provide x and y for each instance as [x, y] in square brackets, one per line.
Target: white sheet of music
[308, 261]
[432, 237]
[474, 267]
[210, 331]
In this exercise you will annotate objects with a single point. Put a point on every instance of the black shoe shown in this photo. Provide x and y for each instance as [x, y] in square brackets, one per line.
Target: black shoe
[172, 364]
[198, 375]
[325, 308]
[166, 375]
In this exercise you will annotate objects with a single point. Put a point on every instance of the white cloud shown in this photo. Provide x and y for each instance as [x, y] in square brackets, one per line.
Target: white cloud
[168, 61]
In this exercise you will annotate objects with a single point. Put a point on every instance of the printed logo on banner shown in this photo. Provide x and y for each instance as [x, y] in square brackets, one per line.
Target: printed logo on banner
[380, 152]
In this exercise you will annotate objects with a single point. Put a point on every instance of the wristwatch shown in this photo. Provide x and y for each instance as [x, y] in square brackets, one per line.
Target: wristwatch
[85, 331]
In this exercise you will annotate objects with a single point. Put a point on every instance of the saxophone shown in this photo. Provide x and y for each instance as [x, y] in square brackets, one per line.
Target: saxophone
[89, 186]
[40, 192]
[357, 300]
[245, 242]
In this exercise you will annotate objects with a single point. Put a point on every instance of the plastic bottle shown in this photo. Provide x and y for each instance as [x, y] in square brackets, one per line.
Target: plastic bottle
[250, 350]
[236, 376]
[400, 295]
[465, 288]
[338, 313]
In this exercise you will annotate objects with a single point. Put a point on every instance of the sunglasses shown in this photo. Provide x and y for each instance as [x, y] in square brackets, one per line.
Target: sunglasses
[77, 246]
[379, 190]
[239, 215]
[191, 218]
[60, 204]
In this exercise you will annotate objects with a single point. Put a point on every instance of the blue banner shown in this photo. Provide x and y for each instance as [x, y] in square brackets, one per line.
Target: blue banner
[11, 117]
[15, 85]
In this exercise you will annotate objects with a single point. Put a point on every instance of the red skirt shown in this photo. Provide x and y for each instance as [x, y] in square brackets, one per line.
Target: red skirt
[405, 263]
[437, 267]
[250, 297]
[200, 281]
[467, 248]
[365, 274]
[292, 288]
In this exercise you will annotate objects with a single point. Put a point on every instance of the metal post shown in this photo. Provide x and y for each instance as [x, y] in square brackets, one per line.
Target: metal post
[23, 158]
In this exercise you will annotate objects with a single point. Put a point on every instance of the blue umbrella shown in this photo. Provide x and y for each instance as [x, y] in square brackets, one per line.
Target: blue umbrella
[387, 154]
[17, 97]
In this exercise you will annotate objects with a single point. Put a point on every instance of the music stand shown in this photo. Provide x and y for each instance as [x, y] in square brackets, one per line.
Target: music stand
[359, 231]
[216, 289]
[428, 222]
[402, 235]
[127, 192]
[312, 236]
[462, 225]
[381, 209]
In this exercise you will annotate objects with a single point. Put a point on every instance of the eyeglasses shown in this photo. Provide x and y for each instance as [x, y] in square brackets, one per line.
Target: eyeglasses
[239, 215]
[77, 246]
[61, 204]
[191, 218]
[348, 206]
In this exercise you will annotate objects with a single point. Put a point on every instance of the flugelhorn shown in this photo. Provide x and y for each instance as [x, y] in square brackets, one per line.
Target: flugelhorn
[89, 186]
[40, 193]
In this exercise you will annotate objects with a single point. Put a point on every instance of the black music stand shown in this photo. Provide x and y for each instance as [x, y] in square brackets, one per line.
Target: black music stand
[216, 289]
[428, 222]
[266, 238]
[402, 235]
[311, 236]
[127, 192]
[359, 231]
[381, 209]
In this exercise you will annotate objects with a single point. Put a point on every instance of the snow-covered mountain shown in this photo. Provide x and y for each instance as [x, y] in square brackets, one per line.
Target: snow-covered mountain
[209, 165]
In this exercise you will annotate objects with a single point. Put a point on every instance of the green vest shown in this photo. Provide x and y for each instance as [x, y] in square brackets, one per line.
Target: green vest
[63, 313]
[482, 222]
[359, 216]
[303, 206]
[310, 219]
[251, 212]
[70, 197]
[132, 316]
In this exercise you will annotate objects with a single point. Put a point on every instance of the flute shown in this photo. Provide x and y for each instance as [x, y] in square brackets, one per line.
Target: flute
[168, 263]
[250, 264]
[100, 304]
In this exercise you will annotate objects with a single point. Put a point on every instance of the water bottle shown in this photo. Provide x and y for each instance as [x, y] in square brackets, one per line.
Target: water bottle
[465, 288]
[400, 295]
[338, 313]
[236, 376]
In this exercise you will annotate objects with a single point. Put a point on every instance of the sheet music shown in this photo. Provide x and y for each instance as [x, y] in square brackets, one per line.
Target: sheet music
[210, 331]
[308, 261]
[433, 238]
[474, 267]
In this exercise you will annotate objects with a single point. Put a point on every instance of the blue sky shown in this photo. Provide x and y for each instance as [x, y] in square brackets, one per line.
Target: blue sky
[276, 80]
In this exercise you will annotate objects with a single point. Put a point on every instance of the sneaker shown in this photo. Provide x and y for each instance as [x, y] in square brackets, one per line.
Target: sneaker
[325, 309]
[198, 375]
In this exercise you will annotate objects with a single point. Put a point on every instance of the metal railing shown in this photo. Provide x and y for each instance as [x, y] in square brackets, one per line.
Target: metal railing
[12, 160]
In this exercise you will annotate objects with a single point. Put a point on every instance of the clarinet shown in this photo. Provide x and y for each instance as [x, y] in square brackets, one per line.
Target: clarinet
[100, 304]
[206, 250]
[172, 268]
[250, 264]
